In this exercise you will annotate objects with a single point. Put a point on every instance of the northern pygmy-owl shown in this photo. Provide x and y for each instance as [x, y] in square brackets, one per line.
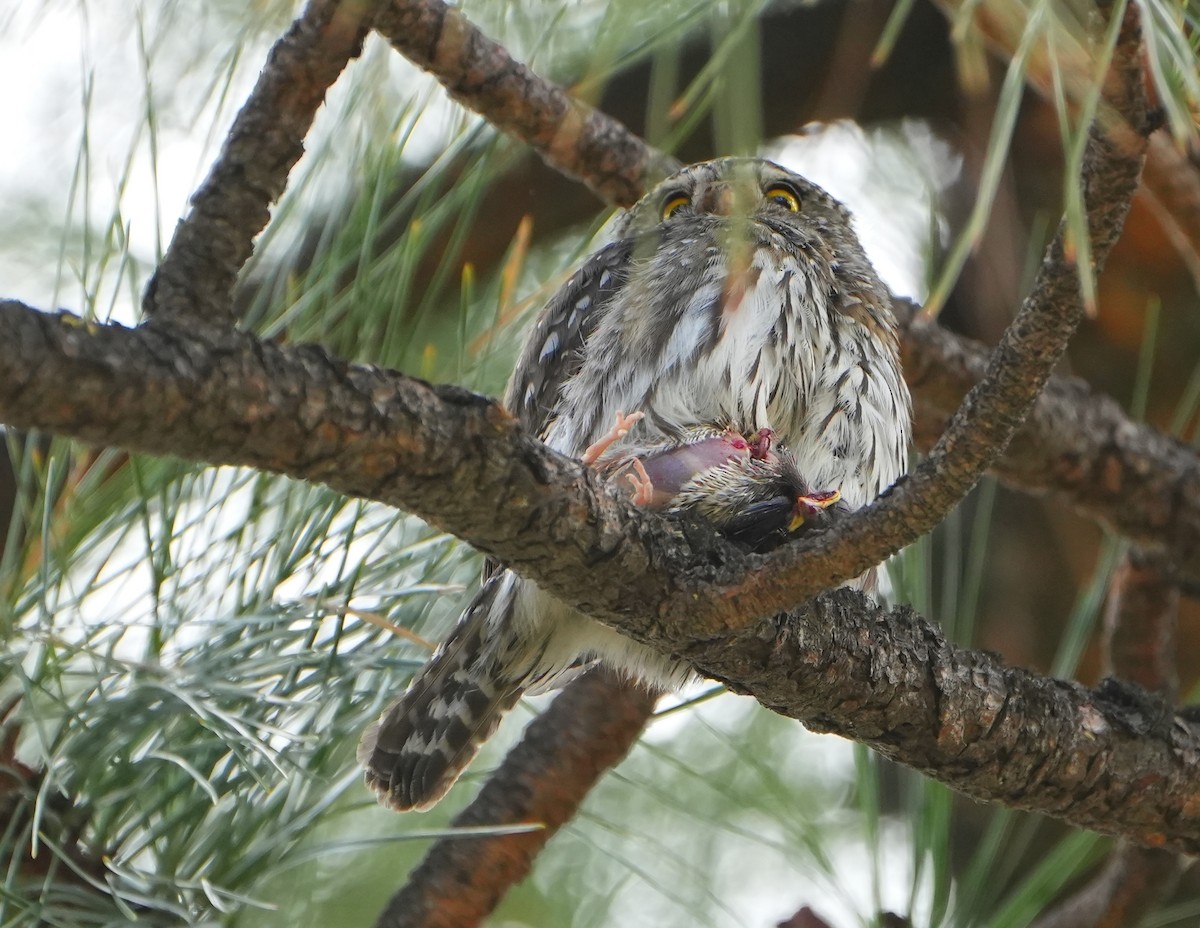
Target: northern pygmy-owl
[735, 293]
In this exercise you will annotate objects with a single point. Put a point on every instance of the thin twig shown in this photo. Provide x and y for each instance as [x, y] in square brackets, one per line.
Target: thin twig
[196, 277]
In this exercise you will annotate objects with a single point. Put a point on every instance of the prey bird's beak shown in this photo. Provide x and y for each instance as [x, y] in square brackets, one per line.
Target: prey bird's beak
[810, 505]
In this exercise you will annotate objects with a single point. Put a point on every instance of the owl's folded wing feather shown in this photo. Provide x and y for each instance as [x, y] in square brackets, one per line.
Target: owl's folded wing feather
[553, 349]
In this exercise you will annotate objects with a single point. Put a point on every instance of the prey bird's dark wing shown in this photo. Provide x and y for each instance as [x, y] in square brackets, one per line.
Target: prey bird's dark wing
[762, 525]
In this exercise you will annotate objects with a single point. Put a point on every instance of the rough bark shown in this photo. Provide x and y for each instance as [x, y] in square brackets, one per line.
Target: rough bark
[478, 72]
[1112, 759]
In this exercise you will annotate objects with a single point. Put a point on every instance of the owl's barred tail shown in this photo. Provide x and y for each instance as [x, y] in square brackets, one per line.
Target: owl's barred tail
[421, 744]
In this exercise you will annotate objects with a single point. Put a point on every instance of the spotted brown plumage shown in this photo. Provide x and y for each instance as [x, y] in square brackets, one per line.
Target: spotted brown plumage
[735, 293]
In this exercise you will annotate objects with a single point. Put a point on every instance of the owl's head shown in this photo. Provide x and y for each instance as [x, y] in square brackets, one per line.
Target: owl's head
[733, 189]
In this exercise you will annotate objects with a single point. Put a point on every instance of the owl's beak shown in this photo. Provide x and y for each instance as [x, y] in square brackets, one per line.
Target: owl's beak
[717, 199]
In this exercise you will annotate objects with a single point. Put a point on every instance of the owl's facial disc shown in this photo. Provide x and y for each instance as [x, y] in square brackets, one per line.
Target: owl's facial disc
[738, 193]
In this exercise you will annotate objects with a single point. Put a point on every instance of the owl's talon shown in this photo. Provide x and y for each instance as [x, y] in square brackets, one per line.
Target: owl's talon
[643, 486]
[619, 430]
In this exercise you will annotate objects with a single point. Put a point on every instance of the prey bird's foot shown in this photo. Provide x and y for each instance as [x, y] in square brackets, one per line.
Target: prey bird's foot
[620, 429]
[643, 486]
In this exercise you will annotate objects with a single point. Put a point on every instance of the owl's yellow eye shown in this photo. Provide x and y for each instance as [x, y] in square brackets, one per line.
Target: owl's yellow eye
[675, 203]
[785, 197]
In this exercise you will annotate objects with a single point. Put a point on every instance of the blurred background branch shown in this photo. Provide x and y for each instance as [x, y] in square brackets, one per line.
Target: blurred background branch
[1139, 645]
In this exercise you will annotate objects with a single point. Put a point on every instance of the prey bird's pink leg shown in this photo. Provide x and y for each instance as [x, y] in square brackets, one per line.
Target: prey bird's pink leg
[620, 429]
[643, 486]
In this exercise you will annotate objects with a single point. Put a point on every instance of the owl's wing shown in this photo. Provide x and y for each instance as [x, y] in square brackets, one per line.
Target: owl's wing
[553, 349]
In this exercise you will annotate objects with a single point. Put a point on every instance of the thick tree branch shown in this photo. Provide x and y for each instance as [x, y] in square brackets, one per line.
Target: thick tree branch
[1077, 446]
[1097, 759]
[440, 452]
[576, 139]
[1112, 759]
[588, 728]
[197, 274]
